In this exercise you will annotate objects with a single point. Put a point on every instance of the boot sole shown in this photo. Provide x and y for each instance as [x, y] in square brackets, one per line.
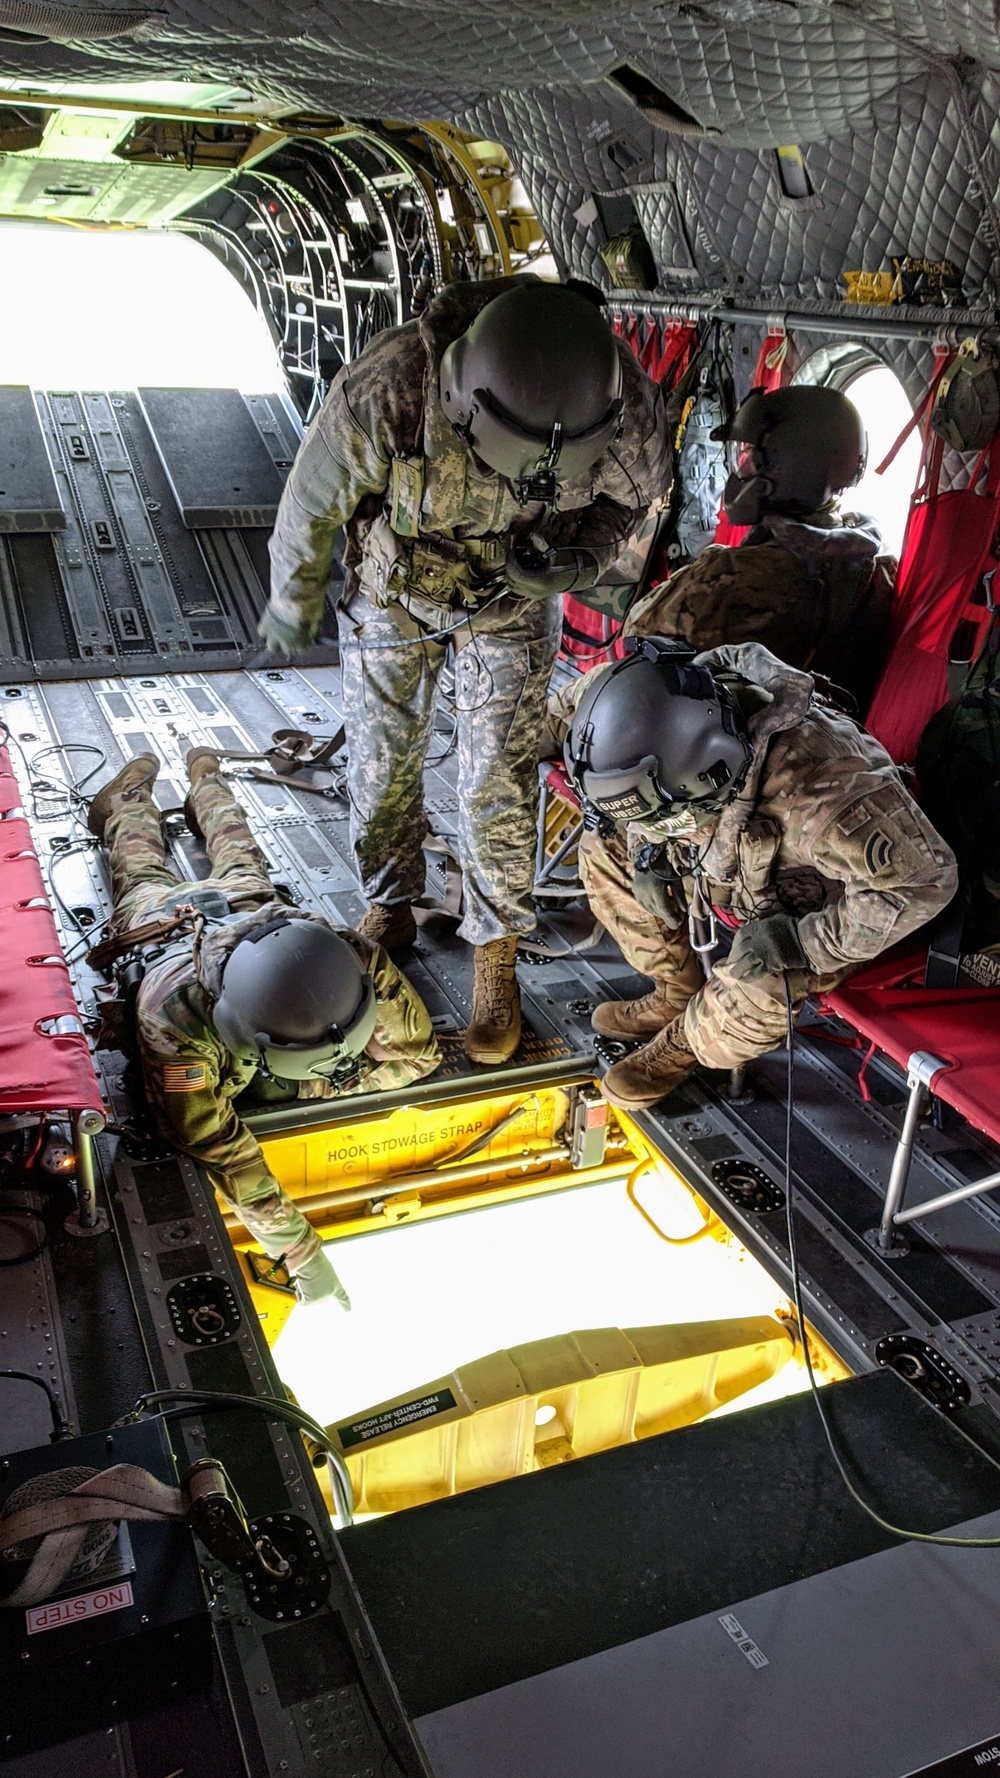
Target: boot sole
[623, 1104]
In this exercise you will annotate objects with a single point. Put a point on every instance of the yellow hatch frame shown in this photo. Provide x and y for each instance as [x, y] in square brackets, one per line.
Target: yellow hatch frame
[547, 1402]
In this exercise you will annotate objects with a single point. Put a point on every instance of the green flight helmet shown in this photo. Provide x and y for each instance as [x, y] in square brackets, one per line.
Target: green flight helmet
[296, 998]
[791, 452]
[656, 738]
[534, 387]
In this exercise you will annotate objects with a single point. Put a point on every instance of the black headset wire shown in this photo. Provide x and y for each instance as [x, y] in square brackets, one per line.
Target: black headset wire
[970, 1543]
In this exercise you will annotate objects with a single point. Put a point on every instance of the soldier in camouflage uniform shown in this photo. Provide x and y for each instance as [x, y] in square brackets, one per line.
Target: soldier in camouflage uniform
[809, 849]
[482, 461]
[808, 581]
[191, 1074]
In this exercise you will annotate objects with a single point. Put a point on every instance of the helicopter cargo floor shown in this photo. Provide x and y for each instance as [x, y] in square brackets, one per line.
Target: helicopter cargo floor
[946, 1291]
[96, 1315]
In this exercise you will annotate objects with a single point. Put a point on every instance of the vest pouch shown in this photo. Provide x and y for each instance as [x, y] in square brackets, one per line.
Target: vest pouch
[447, 573]
[756, 851]
[386, 563]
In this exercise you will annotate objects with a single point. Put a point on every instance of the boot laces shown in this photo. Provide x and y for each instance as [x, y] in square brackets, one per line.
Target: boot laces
[496, 973]
[669, 1045]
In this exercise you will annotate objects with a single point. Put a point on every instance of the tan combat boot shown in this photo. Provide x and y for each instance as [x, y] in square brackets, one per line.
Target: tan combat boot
[495, 1029]
[651, 1073]
[643, 1018]
[137, 775]
[389, 924]
[201, 762]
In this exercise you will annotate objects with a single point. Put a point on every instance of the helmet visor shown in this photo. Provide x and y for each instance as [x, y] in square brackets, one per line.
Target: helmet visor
[519, 455]
[324, 1058]
[742, 459]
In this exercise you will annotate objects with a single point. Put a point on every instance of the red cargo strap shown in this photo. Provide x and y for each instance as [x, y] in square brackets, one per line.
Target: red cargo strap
[951, 542]
[45, 1062]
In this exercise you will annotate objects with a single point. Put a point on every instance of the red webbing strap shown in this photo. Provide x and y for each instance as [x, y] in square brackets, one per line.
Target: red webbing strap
[863, 1087]
[949, 544]
[921, 412]
[42, 1067]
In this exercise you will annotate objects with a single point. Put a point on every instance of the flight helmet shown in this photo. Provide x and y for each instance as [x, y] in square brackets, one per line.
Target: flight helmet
[533, 387]
[790, 452]
[656, 739]
[295, 996]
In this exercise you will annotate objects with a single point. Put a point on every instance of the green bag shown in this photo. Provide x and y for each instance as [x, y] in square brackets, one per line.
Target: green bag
[958, 767]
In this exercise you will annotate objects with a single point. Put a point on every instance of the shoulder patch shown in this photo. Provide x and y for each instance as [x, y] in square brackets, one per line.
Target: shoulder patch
[878, 852]
[183, 1077]
[855, 818]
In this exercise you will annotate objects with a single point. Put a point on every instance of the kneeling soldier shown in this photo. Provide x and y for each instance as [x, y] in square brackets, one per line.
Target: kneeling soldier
[748, 802]
[268, 990]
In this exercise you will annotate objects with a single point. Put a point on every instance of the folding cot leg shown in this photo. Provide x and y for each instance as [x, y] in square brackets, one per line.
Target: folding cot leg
[543, 804]
[921, 1069]
[88, 1218]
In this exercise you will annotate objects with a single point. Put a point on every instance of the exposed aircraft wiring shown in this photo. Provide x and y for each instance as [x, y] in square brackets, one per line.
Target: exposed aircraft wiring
[910, 1536]
[60, 1425]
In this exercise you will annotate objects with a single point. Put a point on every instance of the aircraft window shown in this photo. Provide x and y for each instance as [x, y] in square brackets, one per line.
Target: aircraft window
[114, 308]
[885, 409]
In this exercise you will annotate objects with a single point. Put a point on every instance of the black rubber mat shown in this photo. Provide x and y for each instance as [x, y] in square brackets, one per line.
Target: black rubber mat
[492, 1586]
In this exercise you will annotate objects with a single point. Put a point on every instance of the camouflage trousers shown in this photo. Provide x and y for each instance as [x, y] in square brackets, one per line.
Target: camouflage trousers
[390, 669]
[142, 880]
[726, 1021]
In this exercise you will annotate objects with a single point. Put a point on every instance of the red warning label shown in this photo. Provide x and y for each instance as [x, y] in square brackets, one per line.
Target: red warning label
[60, 1612]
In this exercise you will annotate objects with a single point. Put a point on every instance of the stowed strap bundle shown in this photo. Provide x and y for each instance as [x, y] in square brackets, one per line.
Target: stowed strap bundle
[60, 1512]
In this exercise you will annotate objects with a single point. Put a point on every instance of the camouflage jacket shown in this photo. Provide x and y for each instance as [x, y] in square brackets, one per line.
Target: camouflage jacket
[809, 590]
[191, 1078]
[824, 827]
[382, 460]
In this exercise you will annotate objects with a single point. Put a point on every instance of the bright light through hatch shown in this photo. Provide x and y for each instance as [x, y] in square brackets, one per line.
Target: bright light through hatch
[881, 400]
[427, 1297]
[113, 309]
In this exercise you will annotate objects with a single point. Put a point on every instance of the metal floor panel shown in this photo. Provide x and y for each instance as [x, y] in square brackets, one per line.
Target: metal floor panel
[133, 576]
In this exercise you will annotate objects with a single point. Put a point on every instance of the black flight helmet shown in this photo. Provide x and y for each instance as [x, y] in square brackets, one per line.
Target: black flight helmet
[295, 997]
[656, 739]
[533, 387]
[790, 452]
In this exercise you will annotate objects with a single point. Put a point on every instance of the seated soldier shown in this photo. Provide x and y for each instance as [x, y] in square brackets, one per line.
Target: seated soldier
[806, 581]
[756, 807]
[264, 990]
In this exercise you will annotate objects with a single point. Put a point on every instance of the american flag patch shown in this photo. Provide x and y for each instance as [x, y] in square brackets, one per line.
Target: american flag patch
[183, 1077]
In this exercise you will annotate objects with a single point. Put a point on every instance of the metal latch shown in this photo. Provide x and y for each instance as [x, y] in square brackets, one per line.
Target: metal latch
[588, 1128]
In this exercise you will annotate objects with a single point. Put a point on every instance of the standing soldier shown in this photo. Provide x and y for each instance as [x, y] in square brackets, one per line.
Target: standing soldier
[265, 990]
[483, 460]
[753, 807]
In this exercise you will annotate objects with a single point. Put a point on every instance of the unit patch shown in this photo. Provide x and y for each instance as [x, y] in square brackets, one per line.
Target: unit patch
[183, 1077]
[878, 852]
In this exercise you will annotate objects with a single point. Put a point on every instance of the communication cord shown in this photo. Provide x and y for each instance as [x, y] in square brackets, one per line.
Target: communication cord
[193, 1401]
[968, 1543]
